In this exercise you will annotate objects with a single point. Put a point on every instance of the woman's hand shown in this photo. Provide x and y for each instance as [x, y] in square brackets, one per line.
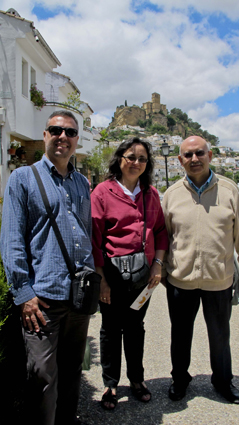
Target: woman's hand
[105, 291]
[155, 275]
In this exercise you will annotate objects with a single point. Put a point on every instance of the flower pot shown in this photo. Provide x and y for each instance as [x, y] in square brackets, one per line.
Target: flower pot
[11, 151]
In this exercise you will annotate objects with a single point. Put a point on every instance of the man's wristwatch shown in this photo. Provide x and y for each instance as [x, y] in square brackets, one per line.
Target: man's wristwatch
[158, 261]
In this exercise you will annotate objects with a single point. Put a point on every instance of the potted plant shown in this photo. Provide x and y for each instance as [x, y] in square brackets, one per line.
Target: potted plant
[14, 163]
[37, 97]
[14, 145]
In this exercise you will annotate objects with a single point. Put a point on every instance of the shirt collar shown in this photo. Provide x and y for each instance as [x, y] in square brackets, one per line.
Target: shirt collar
[133, 194]
[201, 189]
[47, 164]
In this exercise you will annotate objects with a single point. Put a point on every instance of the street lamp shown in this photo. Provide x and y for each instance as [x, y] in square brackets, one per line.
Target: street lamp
[165, 152]
[156, 178]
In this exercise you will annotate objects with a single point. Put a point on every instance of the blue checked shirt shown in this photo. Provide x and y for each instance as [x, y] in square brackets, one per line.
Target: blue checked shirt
[201, 189]
[32, 258]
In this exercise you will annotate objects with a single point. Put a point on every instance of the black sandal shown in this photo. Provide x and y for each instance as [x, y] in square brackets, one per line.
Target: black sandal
[108, 397]
[140, 392]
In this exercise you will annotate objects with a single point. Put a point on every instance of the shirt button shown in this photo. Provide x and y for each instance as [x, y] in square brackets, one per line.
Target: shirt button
[69, 212]
[77, 244]
[77, 262]
[73, 228]
[67, 195]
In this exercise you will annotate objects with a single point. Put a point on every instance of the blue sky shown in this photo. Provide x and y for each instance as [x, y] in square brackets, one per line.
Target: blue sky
[188, 51]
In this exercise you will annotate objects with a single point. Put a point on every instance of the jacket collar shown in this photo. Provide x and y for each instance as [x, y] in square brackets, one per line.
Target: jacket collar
[212, 182]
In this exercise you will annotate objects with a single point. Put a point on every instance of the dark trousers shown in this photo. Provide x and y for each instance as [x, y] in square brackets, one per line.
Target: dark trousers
[54, 359]
[183, 307]
[119, 320]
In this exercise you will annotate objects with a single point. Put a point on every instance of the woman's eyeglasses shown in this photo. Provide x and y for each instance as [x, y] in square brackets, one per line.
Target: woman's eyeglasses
[132, 158]
[56, 130]
[198, 153]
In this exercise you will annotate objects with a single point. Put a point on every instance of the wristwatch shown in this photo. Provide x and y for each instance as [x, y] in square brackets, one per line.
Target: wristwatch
[158, 261]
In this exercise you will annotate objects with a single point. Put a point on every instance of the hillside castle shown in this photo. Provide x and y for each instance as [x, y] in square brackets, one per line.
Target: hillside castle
[154, 110]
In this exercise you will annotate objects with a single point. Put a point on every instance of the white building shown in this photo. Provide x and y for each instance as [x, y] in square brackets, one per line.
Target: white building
[224, 149]
[230, 162]
[176, 140]
[26, 59]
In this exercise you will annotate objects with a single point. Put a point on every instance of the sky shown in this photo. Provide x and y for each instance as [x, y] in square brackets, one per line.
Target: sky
[185, 50]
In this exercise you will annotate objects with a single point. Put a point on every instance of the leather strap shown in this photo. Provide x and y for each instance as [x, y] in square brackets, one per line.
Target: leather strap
[53, 221]
[145, 217]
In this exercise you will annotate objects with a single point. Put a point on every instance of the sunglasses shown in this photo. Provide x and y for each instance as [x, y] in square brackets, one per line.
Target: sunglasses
[189, 155]
[132, 158]
[56, 130]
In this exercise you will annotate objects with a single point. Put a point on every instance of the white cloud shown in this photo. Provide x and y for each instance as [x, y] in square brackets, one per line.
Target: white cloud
[113, 54]
[225, 128]
[99, 120]
[230, 7]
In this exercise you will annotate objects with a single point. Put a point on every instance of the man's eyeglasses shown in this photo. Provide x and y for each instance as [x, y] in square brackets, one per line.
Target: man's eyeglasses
[132, 158]
[199, 153]
[56, 130]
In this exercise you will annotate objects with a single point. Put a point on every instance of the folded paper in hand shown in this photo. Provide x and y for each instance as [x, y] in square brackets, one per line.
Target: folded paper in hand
[142, 298]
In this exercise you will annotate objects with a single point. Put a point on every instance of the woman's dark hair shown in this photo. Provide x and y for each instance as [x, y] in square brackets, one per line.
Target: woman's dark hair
[114, 165]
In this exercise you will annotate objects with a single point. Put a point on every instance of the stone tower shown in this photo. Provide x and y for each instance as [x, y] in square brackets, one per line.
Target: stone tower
[156, 107]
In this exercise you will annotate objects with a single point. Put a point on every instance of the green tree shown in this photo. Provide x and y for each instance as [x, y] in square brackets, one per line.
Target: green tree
[98, 160]
[182, 116]
[142, 123]
[157, 128]
[175, 151]
[170, 121]
[215, 151]
[163, 189]
[213, 168]
[193, 124]
[104, 136]
[229, 175]
[73, 99]
[214, 140]
[236, 177]
[175, 178]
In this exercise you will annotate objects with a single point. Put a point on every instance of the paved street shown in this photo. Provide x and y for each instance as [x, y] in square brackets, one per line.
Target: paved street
[202, 405]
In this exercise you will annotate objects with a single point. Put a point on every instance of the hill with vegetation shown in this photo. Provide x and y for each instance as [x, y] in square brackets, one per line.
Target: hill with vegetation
[176, 122]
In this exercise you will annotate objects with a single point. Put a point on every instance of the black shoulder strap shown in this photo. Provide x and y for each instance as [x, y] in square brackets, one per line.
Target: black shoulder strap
[145, 224]
[53, 221]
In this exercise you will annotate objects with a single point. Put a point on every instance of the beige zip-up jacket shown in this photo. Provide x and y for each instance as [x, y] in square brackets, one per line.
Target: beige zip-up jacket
[202, 234]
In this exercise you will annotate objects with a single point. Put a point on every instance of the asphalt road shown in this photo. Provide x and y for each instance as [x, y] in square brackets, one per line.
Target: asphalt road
[202, 405]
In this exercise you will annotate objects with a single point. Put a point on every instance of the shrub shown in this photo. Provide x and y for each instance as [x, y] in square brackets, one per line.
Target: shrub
[3, 306]
[12, 356]
[38, 155]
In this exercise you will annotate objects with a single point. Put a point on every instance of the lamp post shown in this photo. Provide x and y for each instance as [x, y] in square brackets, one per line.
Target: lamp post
[165, 152]
[156, 178]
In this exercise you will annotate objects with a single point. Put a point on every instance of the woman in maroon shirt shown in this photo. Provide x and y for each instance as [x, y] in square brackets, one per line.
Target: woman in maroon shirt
[118, 222]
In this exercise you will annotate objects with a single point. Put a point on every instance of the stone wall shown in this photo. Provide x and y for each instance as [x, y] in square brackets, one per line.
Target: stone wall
[159, 119]
[179, 129]
[128, 115]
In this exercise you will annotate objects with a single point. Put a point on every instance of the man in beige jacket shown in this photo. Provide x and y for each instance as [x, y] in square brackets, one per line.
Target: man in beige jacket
[201, 215]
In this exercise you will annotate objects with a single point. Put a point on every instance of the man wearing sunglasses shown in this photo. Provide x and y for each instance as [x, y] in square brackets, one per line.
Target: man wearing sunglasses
[201, 216]
[54, 334]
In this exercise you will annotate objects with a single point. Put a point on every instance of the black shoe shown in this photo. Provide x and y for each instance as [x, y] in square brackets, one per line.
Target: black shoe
[229, 392]
[177, 391]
